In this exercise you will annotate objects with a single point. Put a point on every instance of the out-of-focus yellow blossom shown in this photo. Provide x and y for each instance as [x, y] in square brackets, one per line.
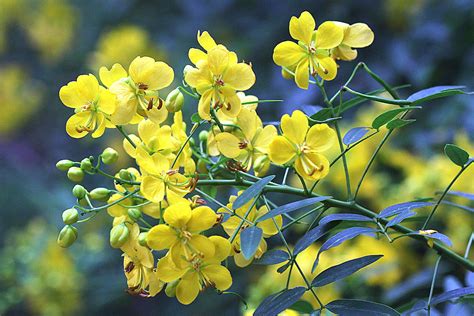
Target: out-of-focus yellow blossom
[268, 227]
[312, 52]
[249, 142]
[356, 35]
[93, 106]
[160, 177]
[121, 45]
[180, 234]
[137, 93]
[217, 79]
[50, 25]
[18, 104]
[301, 146]
[198, 272]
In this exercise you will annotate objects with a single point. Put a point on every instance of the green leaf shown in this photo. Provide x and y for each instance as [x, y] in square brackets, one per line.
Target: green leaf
[273, 256]
[386, 117]
[249, 240]
[354, 135]
[397, 123]
[302, 307]
[252, 192]
[275, 304]
[322, 116]
[435, 93]
[291, 207]
[195, 118]
[360, 308]
[457, 155]
[343, 270]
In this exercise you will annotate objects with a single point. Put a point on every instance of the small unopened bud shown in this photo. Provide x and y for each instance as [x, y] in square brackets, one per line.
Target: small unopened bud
[64, 164]
[186, 69]
[174, 101]
[75, 174]
[109, 156]
[134, 214]
[261, 165]
[286, 74]
[170, 289]
[142, 239]
[79, 191]
[100, 194]
[86, 164]
[119, 235]
[203, 136]
[67, 236]
[201, 166]
[124, 174]
[70, 216]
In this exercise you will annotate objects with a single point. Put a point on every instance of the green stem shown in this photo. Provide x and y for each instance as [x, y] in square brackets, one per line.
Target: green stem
[216, 120]
[120, 129]
[433, 284]
[193, 130]
[375, 98]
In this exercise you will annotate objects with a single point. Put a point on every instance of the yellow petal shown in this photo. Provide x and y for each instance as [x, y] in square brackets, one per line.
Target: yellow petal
[202, 218]
[152, 210]
[287, 54]
[156, 75]
[156, 285]
[302, 74]
[178, 215]
[358, 35]
[157, 115]
[100, 125]
[281, 150]
[87, 87]
[147, 130]
[344, 52]
[268, 226]
[312, 166]
[161, 237]
[108, 77]
[117, 210]
[199, 78]
[329, 35]
[222, 248]
[295, 127]
[264, 138]
[107, 101]
[231, 225]
[240, 260]
[228, 144]
[70, 97]
[320, 137]
[205, 40]
[188, 288]
[218, 275]
[124, 112]
[153, 164]
[204, 106]
[153, 189]
[248, 121]
[167, 271]
[129, 149]
[239, 76]
[75, 121]
[302, 28]
[326, 68]
[218, 60]
[203, 245]
[195, 55]
[232, 104]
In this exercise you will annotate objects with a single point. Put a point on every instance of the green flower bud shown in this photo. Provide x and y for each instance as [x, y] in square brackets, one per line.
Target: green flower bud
[124, 174]
[203, 136]
[67, 236]
[134, 214]
[186, 69]
[100, 194]
[70, 216]
[79, 191]
[201, 166]
[75, 174]
[83, 202]
[170, 289]
[64, 164]
[119, 235]
[174, 101]
[142, 239]
[109, 156]
[86, 164]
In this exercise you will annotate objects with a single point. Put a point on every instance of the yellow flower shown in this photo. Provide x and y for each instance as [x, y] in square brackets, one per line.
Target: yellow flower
[312, 52]
[301, 146]
[217, 79]
[160, 177]
[93, 105]
[207, 43]
[138, 92]
[248, 143]
[198, 272]
[268, 227]
[178, 129]
[356, 35]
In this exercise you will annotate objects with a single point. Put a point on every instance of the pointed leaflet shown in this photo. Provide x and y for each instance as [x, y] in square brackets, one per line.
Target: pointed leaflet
[302, 307]
[435, 235]
[275, 304]
[434, 93]
[397, 123]
[398, 208]
[343, 270]
[309, 238]
[291, 207]
[456, 154]
[249, 240]
[339, 238]
[252, 192]
[386, 117]
[354, 135]
[446, 296]
[273, 256]
[400, 217]
[360, 308]
[466, 195]
[344, 217]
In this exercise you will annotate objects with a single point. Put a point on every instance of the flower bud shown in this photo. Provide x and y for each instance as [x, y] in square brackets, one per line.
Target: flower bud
[124, 174]
[70, 216]
[119, 235]
[201, 166]
[64, 164]
[286, 74]
[67, 236]
[203, 136]
[75, 174]
[134, 214]
[86, 164]
[186, 69]
[174, 101]
[79, 191]
[109, 156]
[100, 194]
[170, 289]
[142, 239]
[261, 165]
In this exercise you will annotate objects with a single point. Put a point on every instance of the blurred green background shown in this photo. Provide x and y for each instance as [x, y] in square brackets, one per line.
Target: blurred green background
[46, 43]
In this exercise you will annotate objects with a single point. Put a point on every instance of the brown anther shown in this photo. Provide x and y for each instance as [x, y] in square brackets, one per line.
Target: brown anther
[233, 165]
[150, 104]
[130, 266]
[219, 82]
[228, 106]
[236, 249]
[160, 104]
[217, 105]
[171, 172]
[243, 145]
[143, 293]
[219, 219]
[142, 86]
